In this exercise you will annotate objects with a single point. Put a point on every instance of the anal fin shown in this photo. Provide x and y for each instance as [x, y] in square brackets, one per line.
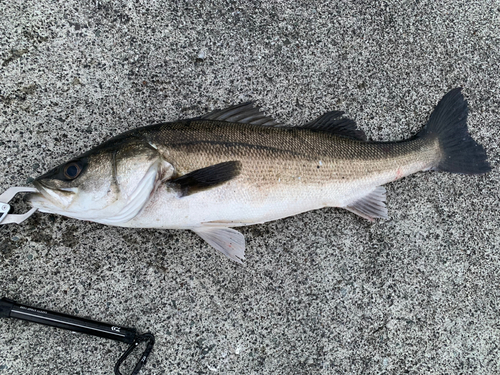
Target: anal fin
[371, 206]
[228, 241]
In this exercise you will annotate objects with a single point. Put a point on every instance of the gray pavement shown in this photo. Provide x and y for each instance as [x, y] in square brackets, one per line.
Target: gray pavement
[324, 292]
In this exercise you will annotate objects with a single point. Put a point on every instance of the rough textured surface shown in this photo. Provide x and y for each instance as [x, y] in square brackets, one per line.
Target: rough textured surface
[322, 292]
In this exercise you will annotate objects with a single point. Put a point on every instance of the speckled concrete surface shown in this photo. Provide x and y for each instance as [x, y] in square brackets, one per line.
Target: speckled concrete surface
[323, 292]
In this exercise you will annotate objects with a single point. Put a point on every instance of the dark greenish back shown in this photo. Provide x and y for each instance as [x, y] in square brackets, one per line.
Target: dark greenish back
[279, 152]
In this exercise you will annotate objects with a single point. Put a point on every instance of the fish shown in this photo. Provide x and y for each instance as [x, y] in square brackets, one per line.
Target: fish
[237, 166]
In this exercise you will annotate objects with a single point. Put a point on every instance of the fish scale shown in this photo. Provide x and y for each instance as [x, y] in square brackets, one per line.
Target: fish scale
[237, 167]
[271, 154]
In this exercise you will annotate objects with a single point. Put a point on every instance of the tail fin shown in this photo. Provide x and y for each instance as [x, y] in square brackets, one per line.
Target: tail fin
[448, 121]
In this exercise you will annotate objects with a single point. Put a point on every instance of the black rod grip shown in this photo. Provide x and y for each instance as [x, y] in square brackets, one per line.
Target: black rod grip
[12, 309]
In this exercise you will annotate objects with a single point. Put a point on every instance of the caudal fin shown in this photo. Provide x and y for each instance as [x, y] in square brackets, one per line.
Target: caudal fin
[460, 153]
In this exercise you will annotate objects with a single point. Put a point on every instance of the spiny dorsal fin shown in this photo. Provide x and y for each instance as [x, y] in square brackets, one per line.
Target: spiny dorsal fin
[333, 123]
[244, 113]
[205, 178]
[371, 206]
[228, 241]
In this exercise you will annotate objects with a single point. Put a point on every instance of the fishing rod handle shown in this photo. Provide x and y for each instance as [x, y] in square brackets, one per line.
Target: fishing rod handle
[12, 309]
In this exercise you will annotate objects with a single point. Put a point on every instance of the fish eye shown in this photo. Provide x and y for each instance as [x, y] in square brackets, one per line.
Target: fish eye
[72, 171]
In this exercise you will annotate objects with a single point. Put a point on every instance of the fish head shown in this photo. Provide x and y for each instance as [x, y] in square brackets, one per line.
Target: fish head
[109, 184]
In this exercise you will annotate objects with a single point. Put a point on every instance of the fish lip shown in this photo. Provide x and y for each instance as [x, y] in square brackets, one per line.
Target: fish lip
[44, 191]
[41, 193]
[41, 189]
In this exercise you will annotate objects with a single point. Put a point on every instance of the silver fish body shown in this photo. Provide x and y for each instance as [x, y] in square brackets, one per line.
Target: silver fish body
[237, 167]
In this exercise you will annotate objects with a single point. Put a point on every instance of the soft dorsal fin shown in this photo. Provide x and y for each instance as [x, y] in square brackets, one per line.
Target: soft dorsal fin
[205, 178]
[371, 206]
[228, 241]
[244, 113]
[334, 123]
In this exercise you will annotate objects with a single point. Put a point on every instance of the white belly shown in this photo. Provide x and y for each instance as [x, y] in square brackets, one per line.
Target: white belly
[231, 206]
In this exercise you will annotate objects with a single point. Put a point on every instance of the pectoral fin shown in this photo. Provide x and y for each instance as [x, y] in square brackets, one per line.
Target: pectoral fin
[371, 206]
[208, 177]
[228, 241]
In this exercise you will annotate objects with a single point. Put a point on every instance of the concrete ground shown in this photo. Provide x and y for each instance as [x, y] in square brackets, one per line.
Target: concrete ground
[324, 292]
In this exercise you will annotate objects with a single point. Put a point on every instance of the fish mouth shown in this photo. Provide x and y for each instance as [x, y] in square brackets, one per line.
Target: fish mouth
[49, 198]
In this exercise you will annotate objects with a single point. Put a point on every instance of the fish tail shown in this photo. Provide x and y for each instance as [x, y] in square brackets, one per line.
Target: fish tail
[459, 152]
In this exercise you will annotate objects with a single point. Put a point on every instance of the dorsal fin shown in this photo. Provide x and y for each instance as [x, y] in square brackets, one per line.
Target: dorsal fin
[332, 122]
[244, 113]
